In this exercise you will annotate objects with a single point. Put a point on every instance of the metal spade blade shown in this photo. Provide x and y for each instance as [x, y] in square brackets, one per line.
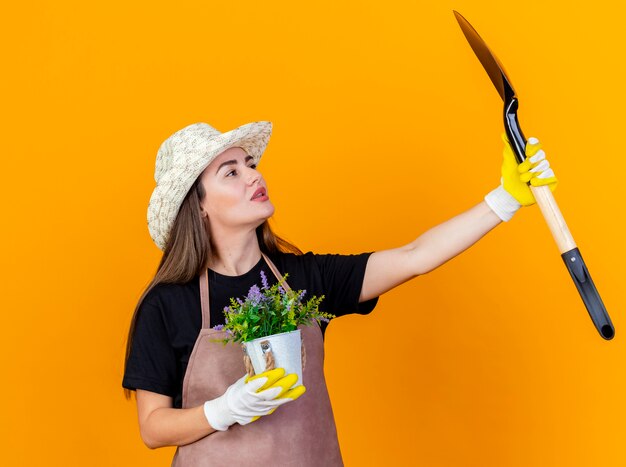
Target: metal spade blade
[490, 62]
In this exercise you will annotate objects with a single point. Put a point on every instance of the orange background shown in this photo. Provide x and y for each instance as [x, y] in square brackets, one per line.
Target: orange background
[385, 124]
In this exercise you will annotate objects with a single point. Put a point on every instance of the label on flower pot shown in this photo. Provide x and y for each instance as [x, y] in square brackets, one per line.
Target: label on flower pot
[286, 349]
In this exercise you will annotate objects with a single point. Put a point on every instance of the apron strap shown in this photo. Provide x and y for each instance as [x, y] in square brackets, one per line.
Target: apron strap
[204, 299]
[204, 291]
[274, 269]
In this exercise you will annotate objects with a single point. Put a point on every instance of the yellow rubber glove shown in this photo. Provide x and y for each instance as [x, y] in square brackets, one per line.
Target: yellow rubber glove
[535, 168]
[276, 379]
[514, 192]
[250, 398]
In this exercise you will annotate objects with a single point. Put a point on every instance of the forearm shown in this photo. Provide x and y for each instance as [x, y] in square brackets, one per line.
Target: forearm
[445, 241]
[174, 427]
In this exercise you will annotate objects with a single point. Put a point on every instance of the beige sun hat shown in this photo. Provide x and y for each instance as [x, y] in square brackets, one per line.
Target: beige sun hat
[181, 159]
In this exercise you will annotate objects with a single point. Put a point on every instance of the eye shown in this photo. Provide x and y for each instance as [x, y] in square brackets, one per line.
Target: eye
[234, 173]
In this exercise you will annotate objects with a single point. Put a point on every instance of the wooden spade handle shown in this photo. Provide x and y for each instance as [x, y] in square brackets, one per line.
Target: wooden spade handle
[554, 218]
[574, 261]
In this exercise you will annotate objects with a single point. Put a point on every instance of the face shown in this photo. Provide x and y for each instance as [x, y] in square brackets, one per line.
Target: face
[236, 193]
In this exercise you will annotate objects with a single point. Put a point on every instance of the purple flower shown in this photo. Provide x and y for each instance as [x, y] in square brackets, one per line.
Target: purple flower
[254, 295]
[240, 301]
[218, 327]
[301, 296]
[264, 281]
[225, 309]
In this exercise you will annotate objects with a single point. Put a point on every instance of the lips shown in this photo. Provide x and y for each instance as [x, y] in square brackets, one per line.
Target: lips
[259, 194]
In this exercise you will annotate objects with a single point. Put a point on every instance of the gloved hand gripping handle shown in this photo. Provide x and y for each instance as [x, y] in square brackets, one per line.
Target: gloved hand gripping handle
[565, 242]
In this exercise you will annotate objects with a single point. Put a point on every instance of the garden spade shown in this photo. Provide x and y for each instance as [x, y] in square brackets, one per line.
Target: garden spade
[550, 210]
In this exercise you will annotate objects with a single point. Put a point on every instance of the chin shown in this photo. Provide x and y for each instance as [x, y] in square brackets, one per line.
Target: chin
[262, 215]
[268, 210]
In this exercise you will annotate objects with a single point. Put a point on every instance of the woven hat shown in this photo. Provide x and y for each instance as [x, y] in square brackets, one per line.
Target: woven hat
[181, 159]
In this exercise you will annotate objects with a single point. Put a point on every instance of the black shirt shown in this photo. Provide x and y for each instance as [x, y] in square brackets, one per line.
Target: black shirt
[170, 317]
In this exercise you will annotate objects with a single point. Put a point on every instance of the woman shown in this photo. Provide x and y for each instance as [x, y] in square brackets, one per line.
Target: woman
[209, 214]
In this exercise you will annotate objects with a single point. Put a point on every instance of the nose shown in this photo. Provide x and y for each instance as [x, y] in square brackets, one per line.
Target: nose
[253, 176]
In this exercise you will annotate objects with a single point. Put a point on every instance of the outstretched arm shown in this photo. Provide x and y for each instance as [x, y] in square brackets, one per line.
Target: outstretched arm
[389, 268]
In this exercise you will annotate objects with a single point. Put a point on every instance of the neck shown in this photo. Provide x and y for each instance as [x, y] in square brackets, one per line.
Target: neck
[235, 254]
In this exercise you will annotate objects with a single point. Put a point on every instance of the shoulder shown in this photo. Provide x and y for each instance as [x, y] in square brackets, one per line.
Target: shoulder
[312, 258]
[294, 264]
[165, 292]
[328, 261]
[327, 268]
[293, 259]
[164, 299]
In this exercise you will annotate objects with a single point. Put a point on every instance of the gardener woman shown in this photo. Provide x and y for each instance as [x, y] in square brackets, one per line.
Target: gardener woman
[209, 214]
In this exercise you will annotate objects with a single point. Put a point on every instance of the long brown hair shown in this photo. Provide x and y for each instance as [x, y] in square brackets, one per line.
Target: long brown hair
[188, 250]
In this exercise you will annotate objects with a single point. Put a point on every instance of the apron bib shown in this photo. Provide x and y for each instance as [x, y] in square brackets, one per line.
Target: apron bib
[300, 433]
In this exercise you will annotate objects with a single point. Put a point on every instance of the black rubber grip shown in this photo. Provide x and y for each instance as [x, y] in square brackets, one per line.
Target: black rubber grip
[588, 292]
